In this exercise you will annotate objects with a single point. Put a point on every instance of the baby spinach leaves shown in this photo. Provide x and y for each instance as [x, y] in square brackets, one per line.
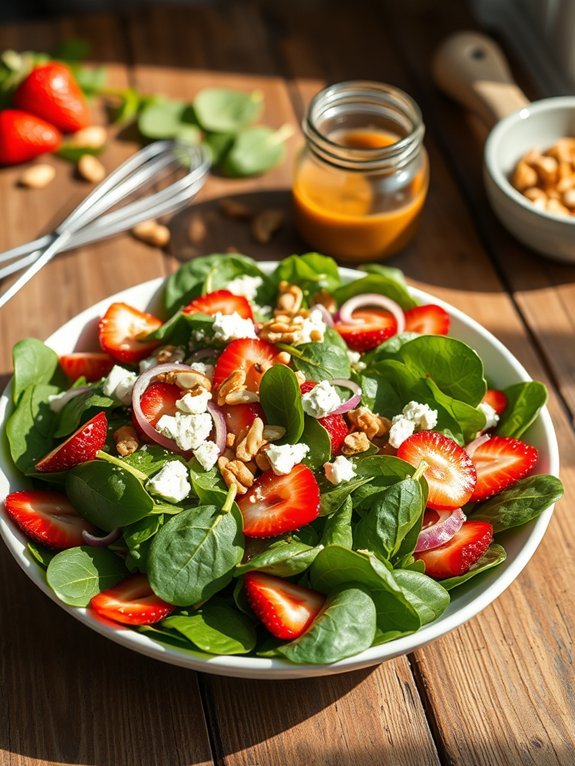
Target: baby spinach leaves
[254, 151]
[30, 426]
[280, 398]
[382, 283]
[320, 361]
[34, 364]
[492, 557]
[517, 505]
[216, 628]
[310, 271]
[283, 558]
[317, 439]
[78, 574]
[524, 402]
[223, 110]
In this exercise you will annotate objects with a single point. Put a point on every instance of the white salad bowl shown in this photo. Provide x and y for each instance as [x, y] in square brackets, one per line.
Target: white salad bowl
[502, 369]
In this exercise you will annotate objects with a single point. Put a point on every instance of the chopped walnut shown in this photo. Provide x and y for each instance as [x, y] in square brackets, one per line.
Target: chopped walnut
[252, 442]
[234, 383]
[355, 443]
[236, 473]
[230, 439]
[126, 440]
[273, 433]
[367, 421]
[186, 380]
[262, 461]
[290, 298]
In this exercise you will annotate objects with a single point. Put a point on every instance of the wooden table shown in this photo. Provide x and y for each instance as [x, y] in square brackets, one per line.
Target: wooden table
[497, 691]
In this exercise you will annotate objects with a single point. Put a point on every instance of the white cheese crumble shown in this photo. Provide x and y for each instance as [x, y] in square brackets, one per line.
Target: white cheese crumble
[355, 360]
[340, 470]
[207, 455]
[491, 416]
[422, 415]
[305, 326]
[119, 384]
[401, 429]
[194, 404]
[283, 457]
[171, 482]
[204, 369]
[321, 400]
[246, 286]
[232, 327]
[188, 431]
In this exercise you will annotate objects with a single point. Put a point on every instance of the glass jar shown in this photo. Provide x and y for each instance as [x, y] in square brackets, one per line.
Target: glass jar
[361, 180]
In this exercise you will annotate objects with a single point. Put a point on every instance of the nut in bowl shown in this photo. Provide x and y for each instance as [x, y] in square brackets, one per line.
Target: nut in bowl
[270, 484]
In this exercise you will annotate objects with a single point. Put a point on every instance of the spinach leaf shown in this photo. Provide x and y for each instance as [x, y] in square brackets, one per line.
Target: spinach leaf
[194, 554]
[163, 118]
[254, 151]
[337, 529]
[169, 638]
[137, 533]
[378, 472]
[520, 503]
[389, 348]
[29, 428]
[332, 498]
[524, 402]
[224, 110]
[72, 414]
[216, 628]
[280, 398]
[317, 439]
[428, 597]
[149, 458]
[345, 626]
[320, 361]
[76, 575]
[310, 271]
[209, 486]
[283, 558]
[384, 284]
[42, 556]
[107, 495]
[468, 419]
[232, 266]
[380, 395]
[492, 557]
[34, 363]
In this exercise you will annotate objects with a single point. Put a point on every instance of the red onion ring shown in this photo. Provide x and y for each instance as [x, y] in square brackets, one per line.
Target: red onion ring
[326, 316]
[220, 427]
[371, 299]
[95, 541]
[472, 446]
[354, 399]
[448, 524]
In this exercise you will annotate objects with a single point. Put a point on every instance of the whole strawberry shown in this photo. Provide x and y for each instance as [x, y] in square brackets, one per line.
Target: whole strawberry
[24, 136]
[51, 92]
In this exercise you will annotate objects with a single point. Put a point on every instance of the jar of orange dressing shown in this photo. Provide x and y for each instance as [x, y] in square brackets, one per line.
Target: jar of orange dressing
[361, 180]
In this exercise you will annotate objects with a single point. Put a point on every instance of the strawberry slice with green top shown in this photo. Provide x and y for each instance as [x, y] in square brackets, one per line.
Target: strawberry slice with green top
[455, 557]
[335, 425]
[427, 320]
[252, 356]
[275, 505]
[222, 301]
[286, 609]
[120, 332]
[84, 364]
[375, 327]
[450, 473]
[496, 399]
[78, 448]
[47, 517]
[499, 463]
[131, 602]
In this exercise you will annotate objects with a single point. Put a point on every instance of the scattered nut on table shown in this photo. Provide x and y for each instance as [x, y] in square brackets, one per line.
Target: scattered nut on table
[152, 233]
[91, 169]
[92, 137]
[37, 177]
[547, 178]
[266, 224]
[231, 208]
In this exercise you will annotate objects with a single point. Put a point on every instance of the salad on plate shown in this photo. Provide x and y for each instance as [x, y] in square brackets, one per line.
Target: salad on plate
[289, 466]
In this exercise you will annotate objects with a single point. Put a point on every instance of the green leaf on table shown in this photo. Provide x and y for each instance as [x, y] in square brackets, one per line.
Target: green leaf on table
[224, 110]
[492, 557]
[91, 79]
[524, 402]
[254, 151]
[218, 144]
[162, 118]
[517, 505]
[216, 628]
[78, 574]
[280, 398]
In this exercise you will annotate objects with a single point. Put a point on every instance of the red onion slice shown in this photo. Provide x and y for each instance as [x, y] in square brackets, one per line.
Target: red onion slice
[365, 300]
[95, 541]
[441, 532]
[326, 316]
[220, 427]
[354, 399]
[472, 446]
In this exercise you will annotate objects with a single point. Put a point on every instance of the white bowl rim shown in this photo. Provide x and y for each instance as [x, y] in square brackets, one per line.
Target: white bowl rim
[271, 668]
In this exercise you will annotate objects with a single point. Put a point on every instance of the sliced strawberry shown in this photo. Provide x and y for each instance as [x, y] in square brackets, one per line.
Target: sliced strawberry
[220, 300]
[91, 366]
[239, 417]
[47, 517]
[450, 476]
[81, 446]
[376, 327]
[455, 557]
[427, 320]
[335, 425]
[495, 399]
[51, 92]
[499, 463]
[160, 399]
[287, 610]
[131, 602]
[278, 504]
[24, 136]
[252, 356]
[119, 330]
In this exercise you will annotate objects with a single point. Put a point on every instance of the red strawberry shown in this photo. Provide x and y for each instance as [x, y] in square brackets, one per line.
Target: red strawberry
[24, 136]
[47, 517]
[335, 425]
[220, 300]
[287, 610]
[51, 92]
[376, 327]
[427, 320]
[450, 476]
[495, 399]
[159, 399]
[131, 602]
[119, 330]
[239, 417]
[278, 504]
[81, 446]
[254, 357]
[456, 556]
[91, 366]
[499, 463]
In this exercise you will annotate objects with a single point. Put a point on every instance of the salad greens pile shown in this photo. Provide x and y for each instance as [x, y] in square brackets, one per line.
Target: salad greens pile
[359, 551]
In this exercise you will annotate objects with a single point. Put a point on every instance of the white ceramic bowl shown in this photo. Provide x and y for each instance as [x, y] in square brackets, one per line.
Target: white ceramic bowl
[502, 368]
[539, 125]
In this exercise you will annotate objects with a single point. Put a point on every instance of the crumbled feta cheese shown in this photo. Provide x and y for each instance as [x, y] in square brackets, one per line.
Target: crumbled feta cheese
[355, 360]
[194, 404]
[232, 326]
[207, 455]
[491, 416]
[177, 354]
[340, 470]
[245, 285]
[422, 415]
[321, 400]
[171, 482]
[119, 384]
[305, 326]
[205, 369]
[188, 431]
[283, 457]
[401, 429]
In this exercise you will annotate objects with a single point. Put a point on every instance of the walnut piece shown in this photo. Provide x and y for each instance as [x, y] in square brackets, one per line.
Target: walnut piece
[126, 440]
[236, 473]
[367, 421]
[355, 443]
[252, 442]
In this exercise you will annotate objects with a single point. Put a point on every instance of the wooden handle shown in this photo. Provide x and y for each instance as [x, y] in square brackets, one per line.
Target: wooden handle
[472, 69]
